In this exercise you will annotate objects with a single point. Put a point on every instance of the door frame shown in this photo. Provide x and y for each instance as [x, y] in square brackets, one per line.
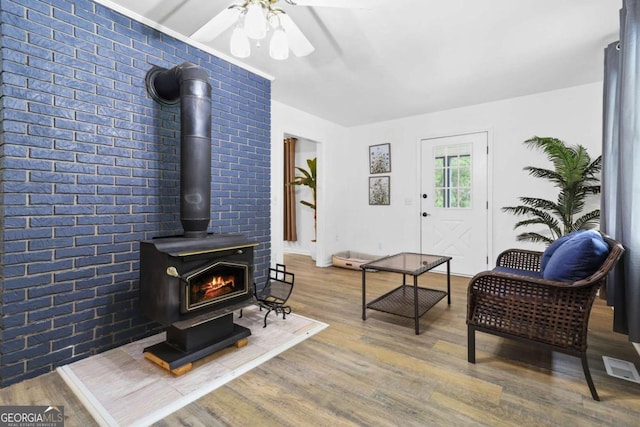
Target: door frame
[489, 131]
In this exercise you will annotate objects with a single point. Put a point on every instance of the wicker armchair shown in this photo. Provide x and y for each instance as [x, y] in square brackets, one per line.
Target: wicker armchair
[534, 310]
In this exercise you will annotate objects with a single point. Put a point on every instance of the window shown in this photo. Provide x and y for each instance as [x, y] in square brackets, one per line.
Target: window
[452, 180]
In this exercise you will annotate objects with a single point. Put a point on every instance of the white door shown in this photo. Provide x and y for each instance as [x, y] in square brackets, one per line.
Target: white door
[454, 202]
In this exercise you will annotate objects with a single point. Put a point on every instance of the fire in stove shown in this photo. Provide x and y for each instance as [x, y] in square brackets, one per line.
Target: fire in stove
[215, 283]
[208, 289]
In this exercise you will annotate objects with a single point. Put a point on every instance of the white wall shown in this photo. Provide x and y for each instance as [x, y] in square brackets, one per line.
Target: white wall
[345, 219]
[329, 138]
[573, 115]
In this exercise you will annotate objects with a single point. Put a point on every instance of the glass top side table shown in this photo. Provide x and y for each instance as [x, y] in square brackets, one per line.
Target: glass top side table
[407, 300]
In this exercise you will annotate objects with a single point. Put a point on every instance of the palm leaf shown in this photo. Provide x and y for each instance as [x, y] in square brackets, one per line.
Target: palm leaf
[557, 152]
[539, 220]
[305, 179]
[587, 221]
[521, 210]
[544, 173]
[594, 168]
[550, 222]
[538, 203]
[311, 205]
[533, 237]
[539, 216]
[526, 210]
[592, 189]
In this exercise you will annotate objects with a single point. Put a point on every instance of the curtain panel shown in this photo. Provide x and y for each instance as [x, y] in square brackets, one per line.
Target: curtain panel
[620, 199]
[290, 232]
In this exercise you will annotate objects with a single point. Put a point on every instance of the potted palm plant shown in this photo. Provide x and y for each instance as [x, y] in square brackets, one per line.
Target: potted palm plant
[576, 177]
[308, 179]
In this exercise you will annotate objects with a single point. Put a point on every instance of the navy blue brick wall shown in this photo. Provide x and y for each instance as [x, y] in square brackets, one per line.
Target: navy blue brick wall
[90, 166]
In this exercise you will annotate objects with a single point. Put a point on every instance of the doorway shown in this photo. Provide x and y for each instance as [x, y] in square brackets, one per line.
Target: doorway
[454, 200]
[305, 221]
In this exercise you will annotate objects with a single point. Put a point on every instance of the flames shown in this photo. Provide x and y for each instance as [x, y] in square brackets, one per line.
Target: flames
[211, 287]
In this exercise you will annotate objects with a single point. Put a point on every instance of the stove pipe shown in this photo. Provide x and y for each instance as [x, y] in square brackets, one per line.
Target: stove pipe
[188, 84]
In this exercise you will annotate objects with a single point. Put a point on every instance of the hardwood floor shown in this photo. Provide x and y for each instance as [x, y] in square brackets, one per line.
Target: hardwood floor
[379, 373]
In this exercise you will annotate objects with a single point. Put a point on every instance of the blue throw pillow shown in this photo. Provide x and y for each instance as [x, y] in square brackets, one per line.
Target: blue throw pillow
[548, 253]
[577, 258]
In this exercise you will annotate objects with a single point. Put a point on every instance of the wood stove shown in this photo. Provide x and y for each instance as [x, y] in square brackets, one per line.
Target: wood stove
[193, 286]
[192, 283]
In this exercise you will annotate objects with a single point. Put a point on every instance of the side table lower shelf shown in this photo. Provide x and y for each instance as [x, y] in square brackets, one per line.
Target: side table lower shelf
[400, 301]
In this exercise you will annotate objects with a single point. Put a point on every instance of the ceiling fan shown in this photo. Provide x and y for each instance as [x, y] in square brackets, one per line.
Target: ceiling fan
[254, 18]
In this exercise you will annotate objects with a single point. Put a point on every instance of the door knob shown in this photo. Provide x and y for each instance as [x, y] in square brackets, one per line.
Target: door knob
[425, 214]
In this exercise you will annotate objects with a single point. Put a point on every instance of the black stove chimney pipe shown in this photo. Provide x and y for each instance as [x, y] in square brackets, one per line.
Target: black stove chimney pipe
[188, 84]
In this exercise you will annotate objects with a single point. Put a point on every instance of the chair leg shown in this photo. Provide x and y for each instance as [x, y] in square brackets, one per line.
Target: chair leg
[587, 375]
[471, 344]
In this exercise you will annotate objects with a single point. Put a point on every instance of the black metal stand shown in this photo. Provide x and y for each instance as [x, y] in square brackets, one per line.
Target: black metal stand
[184, 346]
[277, 309]
[404, 301]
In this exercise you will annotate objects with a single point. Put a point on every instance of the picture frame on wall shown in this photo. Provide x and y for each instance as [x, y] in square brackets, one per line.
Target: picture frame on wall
[380, 158]
[379, 190]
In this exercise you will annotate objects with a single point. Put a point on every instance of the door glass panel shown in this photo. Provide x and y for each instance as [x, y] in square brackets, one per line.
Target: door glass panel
[465, 197]
[439, 177]
[452, 176]
[465, 171]
[439, 202]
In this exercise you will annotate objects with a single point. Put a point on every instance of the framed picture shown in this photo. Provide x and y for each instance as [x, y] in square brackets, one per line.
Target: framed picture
[380, 158]
[379, 190]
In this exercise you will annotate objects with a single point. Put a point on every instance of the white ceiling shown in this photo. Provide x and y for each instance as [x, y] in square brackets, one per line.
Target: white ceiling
[404, 57]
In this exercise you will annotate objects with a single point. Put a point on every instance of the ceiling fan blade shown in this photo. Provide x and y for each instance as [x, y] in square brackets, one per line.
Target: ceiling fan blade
[348, 4]
[298, 43]
[217, 25]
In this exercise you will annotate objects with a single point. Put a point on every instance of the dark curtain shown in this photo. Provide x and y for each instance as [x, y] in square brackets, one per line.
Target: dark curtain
[290, 233]
[620, 181]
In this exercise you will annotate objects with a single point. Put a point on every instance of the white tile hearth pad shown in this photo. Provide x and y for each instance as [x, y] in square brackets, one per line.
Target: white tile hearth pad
[121, 388]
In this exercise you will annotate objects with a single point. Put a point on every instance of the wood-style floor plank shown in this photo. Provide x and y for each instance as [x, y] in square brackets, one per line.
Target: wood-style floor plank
[48, 390]
[378, 372]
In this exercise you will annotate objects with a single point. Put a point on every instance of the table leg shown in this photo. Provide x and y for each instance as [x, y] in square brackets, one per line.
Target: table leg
[448, 283]
[364, 302]
[415, 304]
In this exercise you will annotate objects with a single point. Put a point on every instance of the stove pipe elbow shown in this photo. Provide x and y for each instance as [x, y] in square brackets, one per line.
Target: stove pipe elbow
[188, 84]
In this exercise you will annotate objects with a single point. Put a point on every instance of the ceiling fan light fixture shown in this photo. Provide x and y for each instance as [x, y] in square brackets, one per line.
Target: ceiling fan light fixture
[279, 45]
[240, 46]
[255, 21]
